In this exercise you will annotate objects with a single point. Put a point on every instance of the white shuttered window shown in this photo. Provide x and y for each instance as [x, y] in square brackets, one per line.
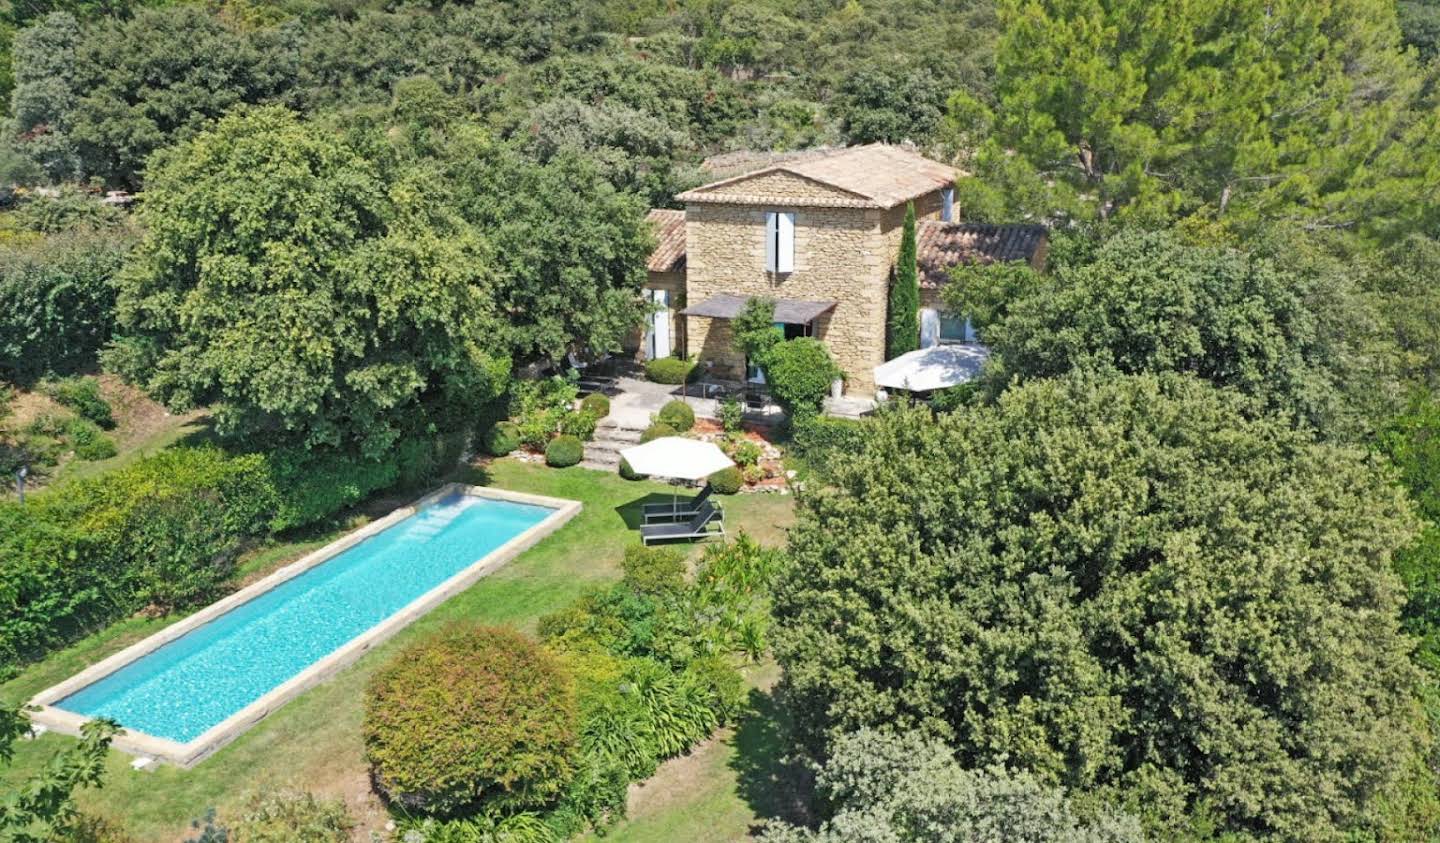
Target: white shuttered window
[779, 241]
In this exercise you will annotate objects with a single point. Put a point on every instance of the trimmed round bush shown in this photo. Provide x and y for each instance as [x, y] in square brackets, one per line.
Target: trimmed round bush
[629, 473]
[472, 717]
[596, 405]
[656, 431]
[564, 451]
[502, 438]
[677, 414]
[672, 370]
[727, 481]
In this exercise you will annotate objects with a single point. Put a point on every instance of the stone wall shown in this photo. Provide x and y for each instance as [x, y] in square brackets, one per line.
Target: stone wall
[840, 256]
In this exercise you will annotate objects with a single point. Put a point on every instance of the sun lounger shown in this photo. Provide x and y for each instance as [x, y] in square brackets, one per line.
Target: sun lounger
[696, 528]
[683, 510]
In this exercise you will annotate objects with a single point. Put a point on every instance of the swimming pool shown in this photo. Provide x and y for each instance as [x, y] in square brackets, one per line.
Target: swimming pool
[182, 691]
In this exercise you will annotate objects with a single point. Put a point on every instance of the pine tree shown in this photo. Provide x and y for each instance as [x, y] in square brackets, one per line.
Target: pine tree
[904, 323]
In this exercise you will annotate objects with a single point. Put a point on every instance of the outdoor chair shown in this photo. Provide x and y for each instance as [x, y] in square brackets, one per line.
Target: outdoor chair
[663, 513]
[696, 528]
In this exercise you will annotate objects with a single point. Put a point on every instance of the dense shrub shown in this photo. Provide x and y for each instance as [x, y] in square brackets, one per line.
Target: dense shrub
[501, 439]
[580, 424]
[88, 441]
[56, 303]
[539, 406]
[886, 786]
[727, 481]
[744, 451]
[670, 370]
[1412, 442]
[313, 485]
[677, 414]
[473, 717]
[653, 570]
[564, 451]
[627, 472]
[658, 430]
[83, 396]
[819, 437]
[596, 404]
[162, 532]
[799, 373]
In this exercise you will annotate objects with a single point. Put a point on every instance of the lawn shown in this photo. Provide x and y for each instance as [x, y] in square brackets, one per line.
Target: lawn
[314, 741]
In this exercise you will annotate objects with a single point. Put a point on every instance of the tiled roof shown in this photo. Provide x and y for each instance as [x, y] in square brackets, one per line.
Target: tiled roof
[727, 165]
[874, 176]
[941, 245]
[669, 254]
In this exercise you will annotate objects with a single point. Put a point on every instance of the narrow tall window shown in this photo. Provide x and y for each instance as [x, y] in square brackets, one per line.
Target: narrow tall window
[947, 204]
[779, 241]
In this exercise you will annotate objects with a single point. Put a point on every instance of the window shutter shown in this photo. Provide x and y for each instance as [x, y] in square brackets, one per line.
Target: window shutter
[947, 206]
[785, 259]
[929, 327]
[771, 224]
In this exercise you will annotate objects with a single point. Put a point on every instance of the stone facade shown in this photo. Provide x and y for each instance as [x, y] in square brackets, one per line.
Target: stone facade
[841, 254]
[849, 214]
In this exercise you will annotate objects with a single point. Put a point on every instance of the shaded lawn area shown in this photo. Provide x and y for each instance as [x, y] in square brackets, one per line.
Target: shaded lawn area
[726, 787]
[314, 741]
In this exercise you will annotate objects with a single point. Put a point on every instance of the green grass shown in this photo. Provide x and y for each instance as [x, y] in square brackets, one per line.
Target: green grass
[314, 741]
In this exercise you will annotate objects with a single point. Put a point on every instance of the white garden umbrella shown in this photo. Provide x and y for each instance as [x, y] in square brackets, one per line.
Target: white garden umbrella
[676, 457]
[936, 367]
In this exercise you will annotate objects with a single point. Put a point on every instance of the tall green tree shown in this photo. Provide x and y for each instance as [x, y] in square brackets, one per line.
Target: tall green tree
[1412, 442]
[1303, 110]
[903, 325]
[1288, 336]
[1119, 585]
[309, 291]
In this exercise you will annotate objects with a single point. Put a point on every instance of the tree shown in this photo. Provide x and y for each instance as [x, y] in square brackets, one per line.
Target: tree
[57, 302]
[42, 808]
[1122, 586]
[904, 325]
[887, 105]
[1412, 442]
[312, 293]
[43, 103]
[887, 787]
[1148, 302]
[1304, 111]
[1409, 299]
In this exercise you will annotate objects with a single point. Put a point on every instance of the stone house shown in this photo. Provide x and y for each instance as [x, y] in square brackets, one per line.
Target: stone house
[818, 233]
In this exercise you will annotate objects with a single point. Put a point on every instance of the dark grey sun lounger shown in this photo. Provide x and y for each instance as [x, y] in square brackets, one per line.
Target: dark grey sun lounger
[676, 510]
[696, 528]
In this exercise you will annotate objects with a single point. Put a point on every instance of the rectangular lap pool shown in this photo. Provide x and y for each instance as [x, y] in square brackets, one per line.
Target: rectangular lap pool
[189, 689]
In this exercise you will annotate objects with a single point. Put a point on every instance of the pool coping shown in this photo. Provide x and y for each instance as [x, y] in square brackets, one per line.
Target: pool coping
[190, 753]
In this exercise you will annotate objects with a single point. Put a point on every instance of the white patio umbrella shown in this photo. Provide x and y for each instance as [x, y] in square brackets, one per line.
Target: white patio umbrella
[677, 458]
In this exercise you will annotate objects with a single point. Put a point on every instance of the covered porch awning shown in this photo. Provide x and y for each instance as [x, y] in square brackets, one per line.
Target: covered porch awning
[788, 311]
[936, 367]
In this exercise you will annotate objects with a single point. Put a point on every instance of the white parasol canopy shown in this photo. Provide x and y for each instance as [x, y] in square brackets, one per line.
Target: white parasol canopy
[676, 457]
[936, 367]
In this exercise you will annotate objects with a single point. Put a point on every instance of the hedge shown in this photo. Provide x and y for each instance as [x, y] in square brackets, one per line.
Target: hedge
[164, 532]
[671, 370]
[628, 473]
[473, 717]
[677, 414]
[817, 437]
[564, 451]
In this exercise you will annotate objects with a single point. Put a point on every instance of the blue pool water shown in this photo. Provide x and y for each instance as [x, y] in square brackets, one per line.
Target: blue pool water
[196, 681]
